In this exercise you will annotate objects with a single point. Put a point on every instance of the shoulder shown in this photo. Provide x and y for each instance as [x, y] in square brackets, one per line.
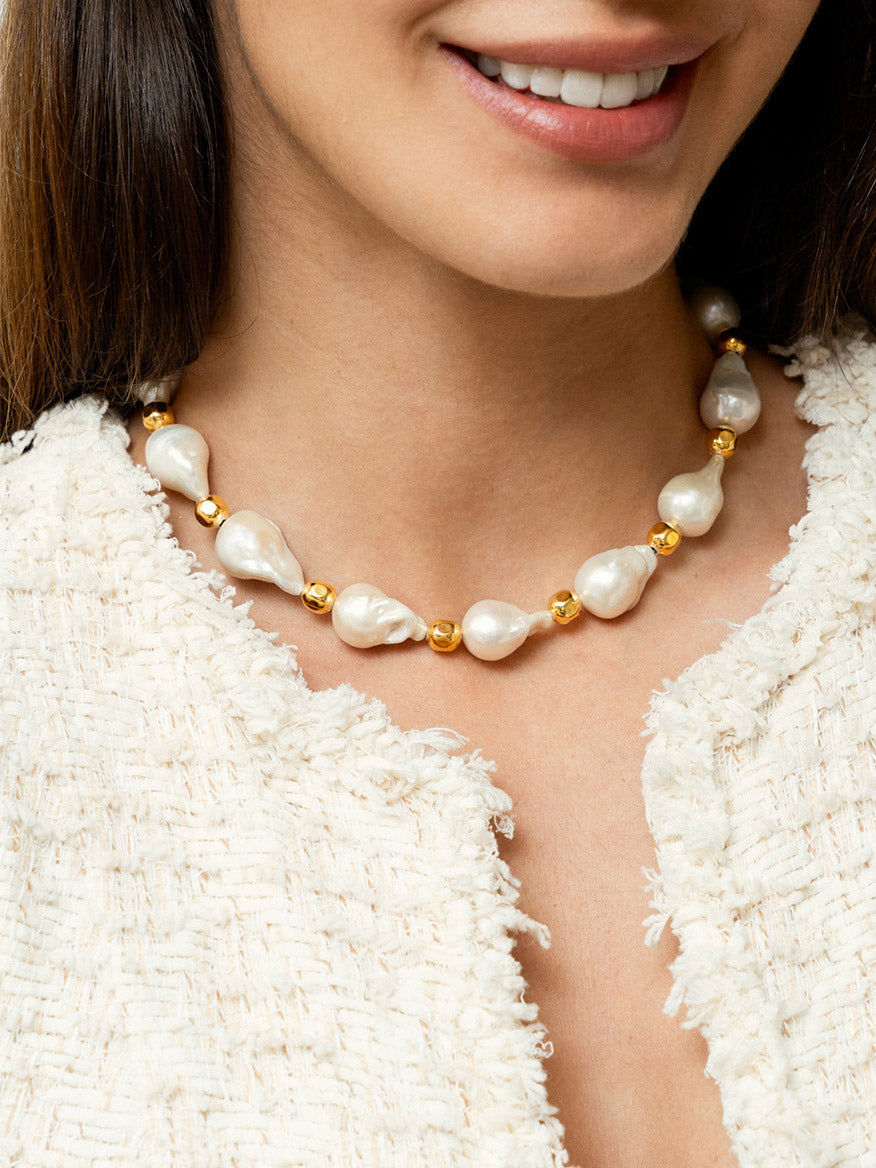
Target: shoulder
[76, 418]
[56, 477]
[46, 467]
[53, 449]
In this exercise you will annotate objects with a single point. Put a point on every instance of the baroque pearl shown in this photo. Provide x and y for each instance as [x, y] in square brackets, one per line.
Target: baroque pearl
[160, 389]
[363, 616]
[253, 548]
[607, 585]
[716, 310]
[178, 456]
[692, 502]
[730, 399]
[492, 629]
[612, 582]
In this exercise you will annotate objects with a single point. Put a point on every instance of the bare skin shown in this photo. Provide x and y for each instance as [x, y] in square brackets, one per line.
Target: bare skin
[456, 396]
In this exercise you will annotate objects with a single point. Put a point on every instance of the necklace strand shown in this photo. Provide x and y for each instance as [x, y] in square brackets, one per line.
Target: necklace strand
[251, 547]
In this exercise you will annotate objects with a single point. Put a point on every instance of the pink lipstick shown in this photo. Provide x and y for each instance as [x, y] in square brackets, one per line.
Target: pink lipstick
[585, 134]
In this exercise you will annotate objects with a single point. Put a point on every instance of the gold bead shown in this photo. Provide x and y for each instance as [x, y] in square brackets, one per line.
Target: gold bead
[444, 636]
[565, 606]
[318, 596]
[664, 538]
[721, 441]
[730, 342]
[211, 511]
[156, 414]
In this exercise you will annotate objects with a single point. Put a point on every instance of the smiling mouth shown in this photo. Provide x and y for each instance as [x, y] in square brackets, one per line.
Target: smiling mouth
[572, 87]
[579, 114]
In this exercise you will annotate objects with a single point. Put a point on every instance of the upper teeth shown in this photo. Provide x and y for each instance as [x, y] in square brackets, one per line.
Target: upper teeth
[575, 86]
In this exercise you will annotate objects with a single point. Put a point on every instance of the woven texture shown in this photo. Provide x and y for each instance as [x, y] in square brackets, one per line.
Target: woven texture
[248, 924]
[760, 789]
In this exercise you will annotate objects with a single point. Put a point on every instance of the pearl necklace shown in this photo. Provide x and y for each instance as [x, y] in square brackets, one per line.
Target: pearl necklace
[251, 547]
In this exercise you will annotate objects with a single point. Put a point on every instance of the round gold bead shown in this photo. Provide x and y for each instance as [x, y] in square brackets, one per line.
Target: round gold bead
[564, 606]
[444, 636]
[722, 441]
[664, 538]
[211, 511]
[156, 414]
[730, 342]
[318, 596]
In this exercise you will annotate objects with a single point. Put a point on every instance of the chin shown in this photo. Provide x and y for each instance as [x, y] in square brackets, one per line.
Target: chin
[571, 272]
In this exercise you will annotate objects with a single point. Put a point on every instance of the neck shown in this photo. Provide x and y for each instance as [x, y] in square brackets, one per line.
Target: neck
[417, 429]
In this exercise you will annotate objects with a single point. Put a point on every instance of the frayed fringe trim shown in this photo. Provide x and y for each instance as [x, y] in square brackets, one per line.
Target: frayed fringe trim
[263, 686]
[825, 586]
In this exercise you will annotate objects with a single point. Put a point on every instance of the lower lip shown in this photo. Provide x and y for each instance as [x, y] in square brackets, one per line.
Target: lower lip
[583, 135]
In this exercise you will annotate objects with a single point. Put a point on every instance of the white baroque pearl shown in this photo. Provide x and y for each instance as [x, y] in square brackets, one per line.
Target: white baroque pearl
[692, 502]
[253, 548]
[178, 456]
[716, 310]
[160, 390]
[730, 398]
[491, 629]
[612, 582]
[363, 616]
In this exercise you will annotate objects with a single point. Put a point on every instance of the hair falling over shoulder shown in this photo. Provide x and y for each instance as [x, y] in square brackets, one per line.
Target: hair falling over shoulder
[114, 194]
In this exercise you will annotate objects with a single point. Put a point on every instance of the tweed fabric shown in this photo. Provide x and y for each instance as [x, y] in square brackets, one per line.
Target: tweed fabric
[249, 924]
[760, 789]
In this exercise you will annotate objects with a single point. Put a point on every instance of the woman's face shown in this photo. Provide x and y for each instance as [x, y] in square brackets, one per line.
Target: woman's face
[379, 105]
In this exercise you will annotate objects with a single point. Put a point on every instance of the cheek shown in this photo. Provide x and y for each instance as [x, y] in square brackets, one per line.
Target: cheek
[335, 77]
[305, 54]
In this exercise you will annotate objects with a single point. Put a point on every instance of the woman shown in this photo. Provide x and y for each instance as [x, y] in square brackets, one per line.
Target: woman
[424, 265]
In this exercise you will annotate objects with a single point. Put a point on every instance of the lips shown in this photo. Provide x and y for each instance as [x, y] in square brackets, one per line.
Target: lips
[598, 54]
[581, 134]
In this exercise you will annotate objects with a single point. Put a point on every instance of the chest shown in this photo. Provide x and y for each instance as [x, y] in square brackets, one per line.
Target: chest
[627, 1081]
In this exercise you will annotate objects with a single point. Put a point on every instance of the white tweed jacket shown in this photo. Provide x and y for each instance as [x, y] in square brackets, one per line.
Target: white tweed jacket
[249, 925]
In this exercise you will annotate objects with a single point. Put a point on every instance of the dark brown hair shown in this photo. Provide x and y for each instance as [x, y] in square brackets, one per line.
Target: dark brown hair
[789, 221]
[114, 194]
